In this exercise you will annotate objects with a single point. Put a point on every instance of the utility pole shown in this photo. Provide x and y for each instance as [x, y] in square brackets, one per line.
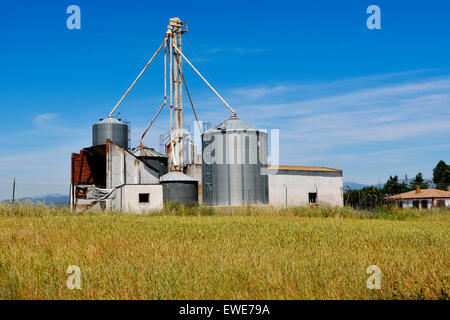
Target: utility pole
[14, 190]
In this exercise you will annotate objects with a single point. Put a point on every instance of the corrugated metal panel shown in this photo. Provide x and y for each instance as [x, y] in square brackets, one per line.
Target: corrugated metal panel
[185, 193]
[181, 188]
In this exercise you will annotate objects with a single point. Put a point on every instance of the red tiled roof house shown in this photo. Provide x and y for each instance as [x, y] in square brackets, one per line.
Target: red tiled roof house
[422, 199]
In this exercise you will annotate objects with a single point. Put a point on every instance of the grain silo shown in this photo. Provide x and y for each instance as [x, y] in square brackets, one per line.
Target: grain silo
[112, 129]
[234, 153]
[181, 188]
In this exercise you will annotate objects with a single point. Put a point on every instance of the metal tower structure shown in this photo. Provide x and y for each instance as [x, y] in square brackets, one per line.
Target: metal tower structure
[174, 31]
[173, 48]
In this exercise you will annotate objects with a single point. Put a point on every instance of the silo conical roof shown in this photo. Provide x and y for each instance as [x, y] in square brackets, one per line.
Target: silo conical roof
[110, 120]
[231, 124]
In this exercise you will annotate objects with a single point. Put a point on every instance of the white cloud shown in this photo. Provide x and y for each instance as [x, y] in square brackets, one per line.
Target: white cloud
[44, 119]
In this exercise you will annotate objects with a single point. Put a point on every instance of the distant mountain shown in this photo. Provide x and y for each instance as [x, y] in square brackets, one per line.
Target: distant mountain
[56, 199]
[354, 185]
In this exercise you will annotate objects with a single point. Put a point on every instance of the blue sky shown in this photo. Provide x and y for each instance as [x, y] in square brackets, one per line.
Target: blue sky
[370, 102]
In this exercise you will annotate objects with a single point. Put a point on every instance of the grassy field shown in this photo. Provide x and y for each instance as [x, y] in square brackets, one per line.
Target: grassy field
[240, 253]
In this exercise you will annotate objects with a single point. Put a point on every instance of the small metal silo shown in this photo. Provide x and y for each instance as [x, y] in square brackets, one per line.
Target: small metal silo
[234, 154]
[112, 129]
[181, 188]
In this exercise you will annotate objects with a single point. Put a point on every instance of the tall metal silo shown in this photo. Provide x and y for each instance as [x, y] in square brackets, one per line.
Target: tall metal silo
[112, 129]
[234, 154]
[181, 188]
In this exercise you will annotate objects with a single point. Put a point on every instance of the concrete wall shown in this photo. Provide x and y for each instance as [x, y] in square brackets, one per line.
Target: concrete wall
[122, 167]
[408, 203]
[194, 170]
[328, 185]
[127, 198]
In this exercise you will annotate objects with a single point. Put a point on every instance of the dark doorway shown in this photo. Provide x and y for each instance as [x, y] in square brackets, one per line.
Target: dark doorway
[424, 204]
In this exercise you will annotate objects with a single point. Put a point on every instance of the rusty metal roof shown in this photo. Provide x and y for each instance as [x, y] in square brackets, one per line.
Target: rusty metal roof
[146, 152]
[422, 194]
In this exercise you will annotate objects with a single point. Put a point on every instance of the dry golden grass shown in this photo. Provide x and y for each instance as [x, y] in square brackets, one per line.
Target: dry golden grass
[245, 253]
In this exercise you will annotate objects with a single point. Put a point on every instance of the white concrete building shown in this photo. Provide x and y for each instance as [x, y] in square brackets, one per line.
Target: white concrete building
[110, 177]
[422, 199]
[305, 185]
[138, 198]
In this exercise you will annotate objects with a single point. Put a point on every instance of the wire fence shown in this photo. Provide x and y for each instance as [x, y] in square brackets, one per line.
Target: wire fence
[366, 201]
[375, 198]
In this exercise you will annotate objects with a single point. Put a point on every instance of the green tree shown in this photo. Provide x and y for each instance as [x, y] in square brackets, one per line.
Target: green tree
[392, 186]
[441, 175]
[419, 181]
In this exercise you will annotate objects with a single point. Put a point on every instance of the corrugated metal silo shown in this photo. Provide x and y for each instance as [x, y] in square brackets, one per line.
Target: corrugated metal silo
[112, 129]
[234, 153]
[181, 188]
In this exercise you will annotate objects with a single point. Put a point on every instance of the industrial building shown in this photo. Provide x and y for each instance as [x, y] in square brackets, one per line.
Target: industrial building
[421, 199]
[232, 170]
[108, 176]
[305, 185]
